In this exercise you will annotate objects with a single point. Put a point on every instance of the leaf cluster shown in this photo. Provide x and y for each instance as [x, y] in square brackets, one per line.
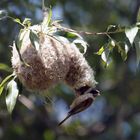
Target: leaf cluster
[62, 34]
[130, 39]
[48, 28]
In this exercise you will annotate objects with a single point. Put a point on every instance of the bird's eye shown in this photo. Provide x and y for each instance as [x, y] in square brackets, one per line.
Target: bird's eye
[95, 92]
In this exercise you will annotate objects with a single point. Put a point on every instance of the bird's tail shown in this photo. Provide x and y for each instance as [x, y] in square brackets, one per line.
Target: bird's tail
[64, 119]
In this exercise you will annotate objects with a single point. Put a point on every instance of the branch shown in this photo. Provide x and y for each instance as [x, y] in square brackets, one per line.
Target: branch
[87, 33]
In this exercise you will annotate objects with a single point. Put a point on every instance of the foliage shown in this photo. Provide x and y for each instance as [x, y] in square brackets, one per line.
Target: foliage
[12, 94]
[115, 115]
[48, 27]
[122, 46]
[54, 29]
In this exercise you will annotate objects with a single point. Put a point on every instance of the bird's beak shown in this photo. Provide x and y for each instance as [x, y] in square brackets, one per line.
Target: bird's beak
[95, 92]
[98, 92]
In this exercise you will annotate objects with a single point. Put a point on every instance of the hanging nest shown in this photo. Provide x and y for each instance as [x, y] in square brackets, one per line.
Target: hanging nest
[41, 58]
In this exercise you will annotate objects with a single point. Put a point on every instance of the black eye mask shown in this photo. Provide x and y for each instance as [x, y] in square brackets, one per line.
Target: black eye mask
[87, 89]
[82, 90]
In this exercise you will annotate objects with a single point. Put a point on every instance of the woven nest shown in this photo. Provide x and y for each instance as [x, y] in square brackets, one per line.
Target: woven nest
[54, 60]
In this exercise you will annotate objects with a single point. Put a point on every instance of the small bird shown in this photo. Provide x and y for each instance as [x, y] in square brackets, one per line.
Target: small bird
[81, 102]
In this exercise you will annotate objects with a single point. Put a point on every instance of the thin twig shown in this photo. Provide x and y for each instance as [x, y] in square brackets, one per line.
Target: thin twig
[87, 33]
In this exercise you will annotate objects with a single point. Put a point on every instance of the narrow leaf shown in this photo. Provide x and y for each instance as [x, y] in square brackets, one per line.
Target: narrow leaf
[131, 33]
[106, 55]
[20, 38]
[27, 22]
[34, 39]
[126, 48]
[112, 43]
[56, 22]
[122, 52]
[5, 67]
[138, 24]
[123, 49]
[47, 17]
[18, 44]
[17, 20]
[11, 96]
[81, 44]
[3, 14]
[73, 35]
[1, 89]
[21, 59]
[5, 81]
[111, 28]
[17, 48]
[105, 58]
[62, 39]
[101, 50]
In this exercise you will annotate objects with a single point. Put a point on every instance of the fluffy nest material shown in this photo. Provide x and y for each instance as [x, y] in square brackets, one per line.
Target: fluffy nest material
[51, 60]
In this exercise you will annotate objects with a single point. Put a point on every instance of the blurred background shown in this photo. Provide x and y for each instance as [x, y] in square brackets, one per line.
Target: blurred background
[114, 115]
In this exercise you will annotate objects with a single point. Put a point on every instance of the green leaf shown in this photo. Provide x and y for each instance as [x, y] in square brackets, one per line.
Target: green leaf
[74, 38]
[47, 17]
[72, 35]
[101, 50]
[111, 45]
[20, 38]
[11, 96]
[112, 42]
[17, 20]
[5, 81]
[137, 46]
[106, 55]
[138, 24]
[21, 59]
[81, 44]
[5, 67]
[3, 14]
[56, 22]
[123, 50]
[61, 39]
[111, 28]
[34, 39]
[106, 50]
[18, 44]
[131, 33]
[27, 22]
[1, 89]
